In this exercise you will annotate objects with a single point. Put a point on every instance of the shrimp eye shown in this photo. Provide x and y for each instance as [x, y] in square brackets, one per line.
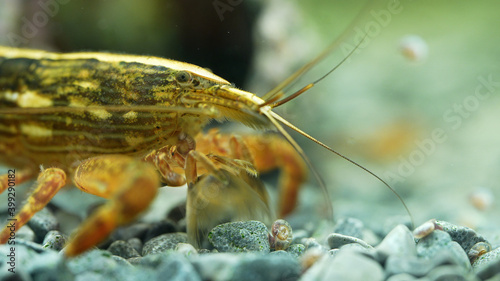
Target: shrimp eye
[183, 77]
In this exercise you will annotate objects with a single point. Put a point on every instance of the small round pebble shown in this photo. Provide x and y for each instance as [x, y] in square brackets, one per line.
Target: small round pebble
[349, 227]
[163, 243]
[186, 249]
[267, 268]
[54, 240]
[43, 222]
[123, 249]
[296, 250]
[136, 243]
[25, 233]
[336, 240]
[398, 242]
[346, 265]
[246, 236]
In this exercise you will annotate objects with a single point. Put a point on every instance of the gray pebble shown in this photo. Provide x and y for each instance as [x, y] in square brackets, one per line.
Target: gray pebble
[163, 243]
[159, 228]
[135, 261]
[336, 240]
[136, 243]
[465, 236]
[418, 266]
[123, 249]
[175, 266]
[402, 277]
[43, 222]
[54, 240]
[311, 243]
[247, 236]
[440, 242]
[186, 249]
[121, 261]
[399, 242]
[345, 265]
[451, 272]
[267, 268]
[296, 250]
[102, 265]
[280, 253]
[25, 233]
[216, 266]
[349, 227]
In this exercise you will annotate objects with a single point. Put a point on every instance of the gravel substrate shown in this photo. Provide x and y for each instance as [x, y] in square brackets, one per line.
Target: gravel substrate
[241, 251]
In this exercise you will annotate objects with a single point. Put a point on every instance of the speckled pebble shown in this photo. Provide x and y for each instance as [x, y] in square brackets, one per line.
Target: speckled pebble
[336, 240]
[296, 250]
[159, 228]
[439, 242]
[341, 267]
[489, 271]
[267, 268]
[465, 236]
[186, 249]
[349, 227]
[43, 222]
[399, 242]
[54, 240]
[247, 236]
[136, 243]
[123, 249]
[163, 243]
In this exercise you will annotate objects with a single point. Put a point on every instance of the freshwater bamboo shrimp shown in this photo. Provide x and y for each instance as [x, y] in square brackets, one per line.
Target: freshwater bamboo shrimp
[94, 117]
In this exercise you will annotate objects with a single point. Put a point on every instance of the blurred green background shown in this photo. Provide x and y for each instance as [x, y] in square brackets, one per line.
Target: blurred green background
[376, 108]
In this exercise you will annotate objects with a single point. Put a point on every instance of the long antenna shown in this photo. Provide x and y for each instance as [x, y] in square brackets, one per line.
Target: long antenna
[275, 116]
[347, 31]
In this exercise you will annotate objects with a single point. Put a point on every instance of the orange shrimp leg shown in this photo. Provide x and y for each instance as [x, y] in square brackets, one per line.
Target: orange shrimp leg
[130, 185]
[19, 175]
[49, 183]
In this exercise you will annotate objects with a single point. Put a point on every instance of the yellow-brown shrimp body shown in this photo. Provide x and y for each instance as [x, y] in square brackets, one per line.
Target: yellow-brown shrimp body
[96, 116]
